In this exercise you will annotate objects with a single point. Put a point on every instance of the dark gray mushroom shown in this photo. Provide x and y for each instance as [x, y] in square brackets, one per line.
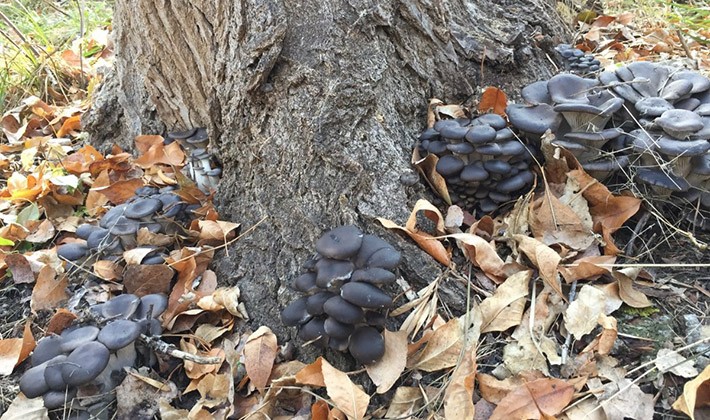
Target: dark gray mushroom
[53, 373]
[295, 313]
[85, 363]
[497, 166]
[602, 168]
[72, 251]
[652, 106]
[387, 258]
[493, 120]
[566, 88]
[182, 135]
[375, 275]
[662, 182]
[119, 333]
[199, 138]
[594, 139]
[125, 229]
[677, 89]
[47, 348]
[370, 245]
[122, 306]
[306, 283]
[474, 172]
[333, 273]
[464, 148]
[453, 131]
[366, 345]
[589, 116]
[689, 103]
[314, 331]
[679, 123]
[56, 399]
[504, 135]
[337, 329]
[110, 217]
[365, 295]
[99, 238]
[151, 306]
[146, 191]
[142, 208]
[535, 119]
[516, 182]
[340, 243]
[153, 259]
[699, 82]
[75, 337]
[314, 303]
[449, 165]
[648, 77]
[84, 230]
[536, 93]
[343, 311]
[32, 382]
[479, 134]
[375, 319]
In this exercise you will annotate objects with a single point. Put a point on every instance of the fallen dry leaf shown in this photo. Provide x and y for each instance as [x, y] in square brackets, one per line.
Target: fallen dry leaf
[696, 396]
[443, 348]
[493, 100]
[61, 319]
[14, 351]
[541, 398]
[346, 396]
[407, 401]
[312, 374]
[587, 268]
[582, 314]
[48, 292]
[544, 258]
[628, 294]
[483, 254]
[668, 360]
[631, 403]
[554, 222]
[458, 398]
[386, 371]
[259, 355]
[505, 308]
[19, 268]
[26, 409]
[143, 280]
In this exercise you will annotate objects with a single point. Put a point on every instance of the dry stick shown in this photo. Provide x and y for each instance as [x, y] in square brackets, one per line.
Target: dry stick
[19, 33]
[568, 338]
[162, 347]
[686, 48]
[629, 248]
[81, 35]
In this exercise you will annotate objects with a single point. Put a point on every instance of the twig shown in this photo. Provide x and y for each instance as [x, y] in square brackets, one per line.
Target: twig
[568, 338]
[686, 48]
[629, 249]
[19, 33]
[81, 36]
[162, 347]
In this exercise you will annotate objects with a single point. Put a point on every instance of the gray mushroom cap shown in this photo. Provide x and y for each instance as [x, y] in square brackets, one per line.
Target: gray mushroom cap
[53, 373]
[122, 306]
[701, 164]
[366, 345]
[507, 148]
[516, 182]
[454, 131]
[576, 148]
[85, 363]
[343, 311]
[314, 303]
[679, 123]
[73, 338]
[387, 258]
[474, 172]
[370, 245]
[600, 137]
[463, 148]
[449, 165]
[199, 138]
[32, 382]
[429, 134]
[98, 237]
[676, 90]
[648, 77]
[146, 191]
[611, 80]
[47, 348]
[110, 216]
[700, 83]
[567, 87]
[437, 147]
[119, 333]
[534, 119]
[672, 147]
[124, 226]
[657, 177]
[494, 120]
[181, 135]
[606, 165]
[365, 295]
[56, 399]
[84, 230]
[306, 283]
[331, 273]
[314, 330]
[151, 306]
[689, 103]
[479, 134]
[497, 166]
[375, 275]
[504, 134]
[337, 329]
[72, 251]
[143, 207]
[340, 243]
[652, 106]
[536, 93]
[295, 313]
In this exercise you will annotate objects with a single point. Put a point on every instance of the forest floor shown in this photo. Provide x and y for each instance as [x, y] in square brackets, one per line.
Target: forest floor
[653, 353]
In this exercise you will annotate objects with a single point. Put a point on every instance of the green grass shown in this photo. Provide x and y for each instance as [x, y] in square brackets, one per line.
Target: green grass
[32, 35]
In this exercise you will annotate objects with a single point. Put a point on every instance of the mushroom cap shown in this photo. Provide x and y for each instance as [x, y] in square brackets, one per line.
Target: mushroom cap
[688, 103]
[337, 329]
[700, 83]
[479, 134]
[109, 218]
[332, 272]
[370, 245]
[449, 165]
[676, 90]
[497, 166]
[474, 172]
[464, 148]
[606, 165]
[32, 382]
[453, 131]
[672, 147]
[72, 251]
[314, 303]
[119, 333]
[122, 306]
[499, 197]
[516, 182]
[146, 191]
[124, 226]
[648, 78]
[157, 301]
[679, 123]
[659, 178]
[73, 338]
[536, 93]
[182, 135]
[314, 330]
[53, 373]
[143, 207]
[429, 134]
[701, 164]
[375, 319]
[340, 243]
[150, 327]
[642, 141]
[56, 399]
[214, 172]
[366, 345]
[47, 348]
[652, 106]
[84, 230]
[506, 148]
[375, 275]
[85, 363]
[703, 110]
[153, 259]
[567, 87]
[365, 295]
[306, 283]
[574, 147]
[99, 237]
[437, 147]
[589, 138]
[295, 313]
[491, 119]
[534, 119]
[343, 311]
[504, 134]
[199, 136]
[387, 258]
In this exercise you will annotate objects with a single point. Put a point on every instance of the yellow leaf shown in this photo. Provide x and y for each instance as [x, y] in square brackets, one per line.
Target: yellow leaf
[346, 396]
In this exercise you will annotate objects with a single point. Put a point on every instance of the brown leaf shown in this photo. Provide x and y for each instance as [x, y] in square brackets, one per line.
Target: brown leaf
[442, 350]
[120, 191]
[554, 222]
[539, 399]
[628, 294]
[544, 258]
[48, 292]
[312, 374]
[107, 270]
[483, 255]
[69, 125]
[216, 232]
[406, 402]
[493, 100]
[427, 167]
[153, 151]
[143, 280]
[146, 237]
[61, 319]
[259, 355]
[587, 268]
[385, 372]
[505, 308]
[42, 233]
[458, 398]
[696, 396]
[14, 351]
[81, 160]
[582, 314]
[20, 268]
[346, 396]
[494, 390]
[26, 408]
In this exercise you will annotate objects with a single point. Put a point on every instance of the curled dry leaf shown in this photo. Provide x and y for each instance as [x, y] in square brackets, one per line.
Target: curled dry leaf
[259, 355]
[554, 222]
[539, 399]
[505, 308]
[668, 360]
[443, 348]
[312, 374]
[216, 232]
[61, 319]
[19, 268]
[48, 292]
[120, 191]
[14, 351]
[544, 258]
[493, 100]
[458, 398]
[347, 397]
[587, 268]
[406, 402]
[494, 390]
[696, 396]
[107, 270]
[483, 254]
[627, 293]
[581, 316]
[385, 372]
[427, 167]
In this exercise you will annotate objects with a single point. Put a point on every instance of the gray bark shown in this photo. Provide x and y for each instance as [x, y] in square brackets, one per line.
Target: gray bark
[313, 107]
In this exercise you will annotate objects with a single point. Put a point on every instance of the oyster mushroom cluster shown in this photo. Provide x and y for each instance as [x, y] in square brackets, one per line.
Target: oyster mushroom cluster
[201, 165]
[157, 210]
[92, 356]
[577, 61]
[484, 163]
[343, 306]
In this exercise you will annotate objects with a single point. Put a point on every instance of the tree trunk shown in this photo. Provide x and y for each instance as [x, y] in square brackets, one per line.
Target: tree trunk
[313, 107]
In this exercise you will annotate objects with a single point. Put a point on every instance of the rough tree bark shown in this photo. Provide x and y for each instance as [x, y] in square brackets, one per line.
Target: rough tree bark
[313, 107]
